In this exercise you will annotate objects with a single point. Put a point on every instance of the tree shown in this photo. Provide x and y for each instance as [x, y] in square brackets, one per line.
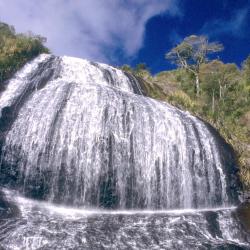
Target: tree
[218, 78]
[142, 70]
[126, 68]
[141, 66]
[192, 53]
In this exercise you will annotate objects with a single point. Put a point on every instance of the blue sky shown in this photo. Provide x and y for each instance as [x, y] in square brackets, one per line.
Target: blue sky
[132, 31]
[226, 21]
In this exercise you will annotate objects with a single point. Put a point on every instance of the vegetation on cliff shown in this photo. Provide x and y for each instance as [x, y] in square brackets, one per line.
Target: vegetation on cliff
[223, 99]
[16, 50]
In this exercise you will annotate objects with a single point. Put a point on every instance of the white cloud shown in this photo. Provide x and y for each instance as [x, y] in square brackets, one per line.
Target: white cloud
[86, 28]
[235, 26]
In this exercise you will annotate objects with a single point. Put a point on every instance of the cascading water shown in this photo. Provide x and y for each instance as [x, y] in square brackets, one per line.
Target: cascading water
[83, 134]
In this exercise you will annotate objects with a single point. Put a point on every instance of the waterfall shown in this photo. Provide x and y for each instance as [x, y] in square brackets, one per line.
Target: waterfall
[88, 161]
[83, 133]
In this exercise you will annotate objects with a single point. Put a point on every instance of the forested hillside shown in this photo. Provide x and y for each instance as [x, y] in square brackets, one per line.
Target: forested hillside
[17, 49]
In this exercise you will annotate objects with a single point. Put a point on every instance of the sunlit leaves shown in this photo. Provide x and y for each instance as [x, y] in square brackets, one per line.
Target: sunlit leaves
[16, 50]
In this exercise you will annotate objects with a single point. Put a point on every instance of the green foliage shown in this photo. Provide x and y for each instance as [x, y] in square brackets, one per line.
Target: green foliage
[16, 50]
[182, 100]
[141, 66]
[141, 70]
[246, 73]
[126, 68]
[191, 54]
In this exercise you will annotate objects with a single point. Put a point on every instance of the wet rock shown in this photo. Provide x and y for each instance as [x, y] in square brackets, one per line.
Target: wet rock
[243, 213]
[7, 209]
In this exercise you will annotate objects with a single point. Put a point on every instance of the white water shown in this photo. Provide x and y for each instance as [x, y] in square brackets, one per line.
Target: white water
[71, 212]
[43, 225]
[84, 135]
[81, 138]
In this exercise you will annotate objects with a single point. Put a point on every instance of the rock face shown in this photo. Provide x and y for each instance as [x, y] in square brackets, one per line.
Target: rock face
[243, 213]
[7, 209]
[83, 133]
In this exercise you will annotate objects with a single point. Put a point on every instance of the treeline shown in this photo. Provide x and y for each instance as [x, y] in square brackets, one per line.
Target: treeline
[17, 49]
[223, 97]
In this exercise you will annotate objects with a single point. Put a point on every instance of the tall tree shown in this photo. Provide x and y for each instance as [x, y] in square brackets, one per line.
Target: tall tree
[191, 53]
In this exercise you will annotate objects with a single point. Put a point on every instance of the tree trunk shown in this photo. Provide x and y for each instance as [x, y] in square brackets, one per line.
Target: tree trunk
[213, 103]
[220, 89]
[197, 84]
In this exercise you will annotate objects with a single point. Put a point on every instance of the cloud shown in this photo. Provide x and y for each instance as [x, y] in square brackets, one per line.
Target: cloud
[235, 26]
[93, 29]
